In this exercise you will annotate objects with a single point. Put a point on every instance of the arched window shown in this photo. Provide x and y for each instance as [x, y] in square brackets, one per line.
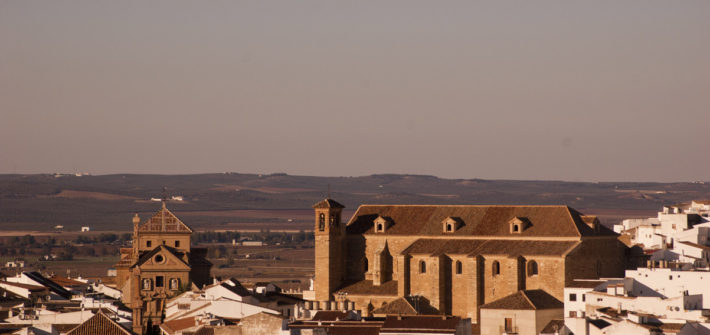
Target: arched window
[422, 267]
[321, 222]
[365, 264]
[495, 268]
[516, 228]
[379, 227]
[449, 227]
[459, 267]
[332, 220]
[532, 268]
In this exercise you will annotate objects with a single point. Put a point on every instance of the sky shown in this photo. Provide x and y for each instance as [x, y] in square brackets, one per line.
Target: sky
[541, 90]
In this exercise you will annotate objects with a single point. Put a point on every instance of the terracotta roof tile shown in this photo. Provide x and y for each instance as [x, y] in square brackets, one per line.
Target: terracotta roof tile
[420, 323]
[99, 324]
[545, 221]
[528, 299]
[366, 287]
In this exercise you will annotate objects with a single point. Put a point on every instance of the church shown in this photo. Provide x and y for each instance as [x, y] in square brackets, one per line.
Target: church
[455, 258]
[160, 264]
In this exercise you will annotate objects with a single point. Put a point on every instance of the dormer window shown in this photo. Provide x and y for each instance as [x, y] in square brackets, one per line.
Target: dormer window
[451, 225]
[381, 224]
[518, 225]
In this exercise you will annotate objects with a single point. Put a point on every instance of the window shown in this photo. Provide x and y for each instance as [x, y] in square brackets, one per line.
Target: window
[159, 258]
[163, 242]
[508, 325]
[177, 244]
[332, 220]
[532, 268]
[379, 227]
[516, 228]
[572, 297]
[147, 284]
[158, 281]
[459, 268]
[148, 243]
[174, 283]
[495, 268]
[449, 228]
[572, 314]
[365, 264]
[321, 222]
[422, 267]
[584, 297]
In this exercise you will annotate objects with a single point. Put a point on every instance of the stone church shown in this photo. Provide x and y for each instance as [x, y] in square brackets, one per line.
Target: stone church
[160, 264]
[453, 259]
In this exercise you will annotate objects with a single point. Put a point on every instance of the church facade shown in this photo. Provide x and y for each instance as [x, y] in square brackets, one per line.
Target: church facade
[160, 264]
[453, 259]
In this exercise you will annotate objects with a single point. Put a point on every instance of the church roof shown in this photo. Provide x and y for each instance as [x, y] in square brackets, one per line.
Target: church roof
[435, 247]
[366, 287]
[485, 221]
[526, 300]
[328, 203]
[164, 221]
[99, 324]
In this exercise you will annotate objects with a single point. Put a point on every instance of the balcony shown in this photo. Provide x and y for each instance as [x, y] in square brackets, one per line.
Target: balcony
[512, 330]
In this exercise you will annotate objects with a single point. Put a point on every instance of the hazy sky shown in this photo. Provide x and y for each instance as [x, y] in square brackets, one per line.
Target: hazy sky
[569, 90]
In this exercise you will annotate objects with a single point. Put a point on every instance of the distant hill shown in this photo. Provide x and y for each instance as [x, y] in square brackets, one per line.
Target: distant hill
[107, 202]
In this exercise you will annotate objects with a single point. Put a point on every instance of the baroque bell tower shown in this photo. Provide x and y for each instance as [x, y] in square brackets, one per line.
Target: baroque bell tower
[330, 248]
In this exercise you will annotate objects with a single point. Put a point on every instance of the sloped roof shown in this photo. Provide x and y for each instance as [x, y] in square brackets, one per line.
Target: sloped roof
[366, 287]
[328, 203]
[404, 306]
[164, 221]
[99, 324]
[399, 306]
[544, 221]
[54, 287]
[489, 247]
[173, 326]
[330, 316]
[420, 324]
[526, 300]
[148, 255]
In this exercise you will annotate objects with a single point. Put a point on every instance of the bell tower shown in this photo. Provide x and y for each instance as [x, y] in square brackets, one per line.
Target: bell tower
[330, 248]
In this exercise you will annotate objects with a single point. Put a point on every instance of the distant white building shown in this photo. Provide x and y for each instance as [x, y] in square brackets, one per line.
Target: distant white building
[85, 229]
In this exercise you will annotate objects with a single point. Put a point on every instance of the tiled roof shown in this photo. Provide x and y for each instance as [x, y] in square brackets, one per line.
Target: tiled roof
[328, 203]
[489, 247]
[399, 306]
[404, 306]
[366, 287]
[544, 221]
[526, 300]
[164, 221]
[585, 283]
[420, 323]
[64, 281]
[99, 324]
[329, 316]
[178, 324]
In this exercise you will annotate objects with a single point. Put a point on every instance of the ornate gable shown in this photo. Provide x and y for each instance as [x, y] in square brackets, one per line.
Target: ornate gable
[164, 221]
[161, 258]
